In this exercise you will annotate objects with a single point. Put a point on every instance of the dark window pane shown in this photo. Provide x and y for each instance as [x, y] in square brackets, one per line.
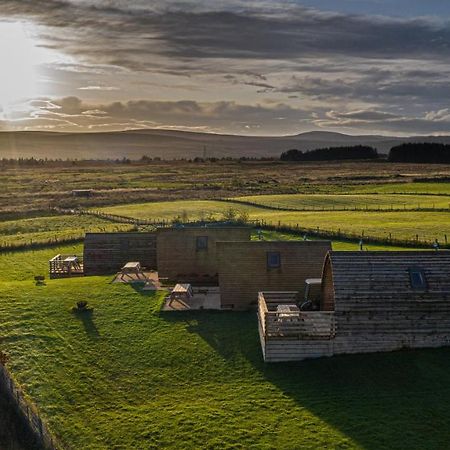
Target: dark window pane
[417, 278]
[202, 242]
[273, 260]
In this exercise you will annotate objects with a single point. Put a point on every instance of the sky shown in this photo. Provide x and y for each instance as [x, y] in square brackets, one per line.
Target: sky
[278, 67]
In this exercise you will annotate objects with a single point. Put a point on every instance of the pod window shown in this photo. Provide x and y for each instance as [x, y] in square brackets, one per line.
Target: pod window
[417, 278]
[202, 243]
[273, 260]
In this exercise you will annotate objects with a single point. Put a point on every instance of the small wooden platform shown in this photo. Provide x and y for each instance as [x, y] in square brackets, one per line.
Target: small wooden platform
[66, 266]
[287, 333]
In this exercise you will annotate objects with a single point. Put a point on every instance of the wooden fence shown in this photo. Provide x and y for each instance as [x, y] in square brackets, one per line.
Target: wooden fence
[389, 239]
[118, 218]
[28, 412]
[363, 208]
[414, 242]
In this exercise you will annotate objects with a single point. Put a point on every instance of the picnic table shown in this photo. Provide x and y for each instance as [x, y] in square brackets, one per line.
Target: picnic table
[130, 268]
[181, 293]
[285, 312]
[71, 262]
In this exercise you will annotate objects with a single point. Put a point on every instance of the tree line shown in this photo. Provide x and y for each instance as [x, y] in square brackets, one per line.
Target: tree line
[407, 153]
[431, 153]
[331, 153]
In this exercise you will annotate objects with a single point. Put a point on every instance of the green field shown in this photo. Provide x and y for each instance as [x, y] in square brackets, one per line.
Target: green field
[337, 245]
[402, 225]
[43, 186]
[131, 377]
[52, 228]
[399, 188]
[350, 201]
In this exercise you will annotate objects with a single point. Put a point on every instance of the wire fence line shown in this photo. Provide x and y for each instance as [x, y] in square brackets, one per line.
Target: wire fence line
[389, 238]
[28, 412]
[361, 208]
[415, 241]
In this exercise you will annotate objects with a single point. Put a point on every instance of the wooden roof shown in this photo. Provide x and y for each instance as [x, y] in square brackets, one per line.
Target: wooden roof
[373, 275]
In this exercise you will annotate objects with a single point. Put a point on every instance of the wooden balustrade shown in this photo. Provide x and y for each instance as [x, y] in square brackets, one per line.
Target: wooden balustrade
[60, 267]
[292, 324]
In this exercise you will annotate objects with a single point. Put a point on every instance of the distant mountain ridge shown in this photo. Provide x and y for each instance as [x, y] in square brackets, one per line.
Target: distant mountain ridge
[171, 144]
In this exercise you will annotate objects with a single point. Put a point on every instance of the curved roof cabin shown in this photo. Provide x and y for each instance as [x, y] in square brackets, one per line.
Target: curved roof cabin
[379, 301]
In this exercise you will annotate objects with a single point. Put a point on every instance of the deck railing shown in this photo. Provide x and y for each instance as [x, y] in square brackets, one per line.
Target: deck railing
[292, 324]
[58, 266]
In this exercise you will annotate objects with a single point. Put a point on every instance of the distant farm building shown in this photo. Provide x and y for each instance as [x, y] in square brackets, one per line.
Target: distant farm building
[370, 302]
[83, 192]
[189, 255]
[245, 268]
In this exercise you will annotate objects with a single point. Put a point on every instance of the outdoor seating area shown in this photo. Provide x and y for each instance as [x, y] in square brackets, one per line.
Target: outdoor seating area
[64, 266]
[133, 272]
[184, 297]
[280, 316]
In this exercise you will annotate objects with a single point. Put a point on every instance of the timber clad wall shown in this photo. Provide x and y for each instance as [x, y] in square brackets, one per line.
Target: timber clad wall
[106, 253]
[243, 268]
[180, 259]
[376, 307]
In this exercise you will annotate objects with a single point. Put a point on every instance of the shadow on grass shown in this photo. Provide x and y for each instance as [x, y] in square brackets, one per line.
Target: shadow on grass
[14, 433]
[138, 287]
[387, 400]
[86, 318]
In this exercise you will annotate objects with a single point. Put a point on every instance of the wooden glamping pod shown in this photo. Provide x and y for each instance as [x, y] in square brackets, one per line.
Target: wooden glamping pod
[188, 254]
[245, 268]
[370, 302]
[106, 253]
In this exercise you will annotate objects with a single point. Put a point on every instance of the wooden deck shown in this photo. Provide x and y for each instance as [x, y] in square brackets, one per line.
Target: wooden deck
[66, 266]
[286, 334]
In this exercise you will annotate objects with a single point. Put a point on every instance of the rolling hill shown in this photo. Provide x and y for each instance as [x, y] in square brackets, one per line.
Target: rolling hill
[169, 144]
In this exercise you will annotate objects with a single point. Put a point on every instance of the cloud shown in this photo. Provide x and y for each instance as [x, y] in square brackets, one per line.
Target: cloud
[71, 113]
[434, 122]
[120, 34]
[98, 88]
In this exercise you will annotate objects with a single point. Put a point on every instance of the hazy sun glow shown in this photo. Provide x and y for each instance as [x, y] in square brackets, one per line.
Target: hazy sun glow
[20, 58]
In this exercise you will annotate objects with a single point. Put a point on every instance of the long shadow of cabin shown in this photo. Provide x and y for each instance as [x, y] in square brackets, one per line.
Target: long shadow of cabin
[360, 395]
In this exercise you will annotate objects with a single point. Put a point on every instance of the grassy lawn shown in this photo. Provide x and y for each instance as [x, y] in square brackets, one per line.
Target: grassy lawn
[360, 201]
[24, 265]
[428, 226]
[44, 229]
[402, 225]
[129, 376]
[194, 209]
